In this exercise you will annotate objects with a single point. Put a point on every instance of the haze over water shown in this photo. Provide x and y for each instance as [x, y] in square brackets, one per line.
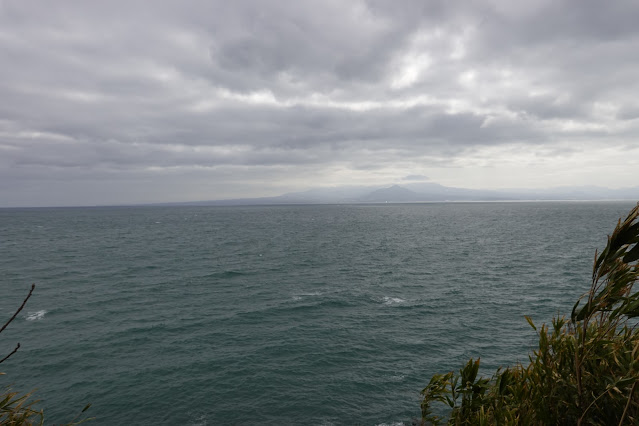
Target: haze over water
[334, 314]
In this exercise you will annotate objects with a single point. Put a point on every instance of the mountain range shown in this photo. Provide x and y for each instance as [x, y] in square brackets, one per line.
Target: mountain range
[428, 192]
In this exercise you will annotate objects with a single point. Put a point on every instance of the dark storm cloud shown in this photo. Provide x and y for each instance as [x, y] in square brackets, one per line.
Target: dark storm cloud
[278, 88]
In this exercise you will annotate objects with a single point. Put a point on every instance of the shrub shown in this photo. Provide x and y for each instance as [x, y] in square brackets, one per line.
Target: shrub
[585, 370]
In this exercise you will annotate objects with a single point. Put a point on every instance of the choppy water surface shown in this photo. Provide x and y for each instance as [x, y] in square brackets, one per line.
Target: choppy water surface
[280, 314]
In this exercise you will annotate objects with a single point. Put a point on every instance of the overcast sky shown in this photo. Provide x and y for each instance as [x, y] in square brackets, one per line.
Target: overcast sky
[106, 102]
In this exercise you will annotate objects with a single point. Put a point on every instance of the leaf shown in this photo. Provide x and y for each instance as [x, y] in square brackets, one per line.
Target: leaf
[632, 255]
[530, 321]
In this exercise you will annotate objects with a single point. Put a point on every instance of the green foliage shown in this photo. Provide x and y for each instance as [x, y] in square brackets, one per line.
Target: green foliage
[16, 409]
[585, 370]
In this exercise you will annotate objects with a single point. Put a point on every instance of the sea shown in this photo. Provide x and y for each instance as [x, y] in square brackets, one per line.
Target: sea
[280, 315]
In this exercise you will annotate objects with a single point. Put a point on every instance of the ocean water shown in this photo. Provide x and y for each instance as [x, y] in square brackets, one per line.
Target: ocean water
[318, 315]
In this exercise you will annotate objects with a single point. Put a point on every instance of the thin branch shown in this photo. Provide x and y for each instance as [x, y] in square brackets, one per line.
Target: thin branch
[19, 309]
[591, 404]
[14, 351]
[625, 410]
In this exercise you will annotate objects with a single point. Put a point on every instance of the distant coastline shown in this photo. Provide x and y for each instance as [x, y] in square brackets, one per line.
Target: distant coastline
[412, 193]
[424, 193]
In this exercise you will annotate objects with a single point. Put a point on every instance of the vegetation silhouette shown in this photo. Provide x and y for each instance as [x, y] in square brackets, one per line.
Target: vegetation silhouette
[585, 370]
[17, 409]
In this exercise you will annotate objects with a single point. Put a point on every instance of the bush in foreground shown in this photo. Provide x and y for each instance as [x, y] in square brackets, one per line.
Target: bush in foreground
[585, 370]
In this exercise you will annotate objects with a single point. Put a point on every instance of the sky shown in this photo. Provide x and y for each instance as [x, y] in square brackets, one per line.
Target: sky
[120, 102]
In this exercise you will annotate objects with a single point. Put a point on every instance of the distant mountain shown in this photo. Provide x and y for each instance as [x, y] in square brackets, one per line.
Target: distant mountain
[394, 194]
[426, 192]
[339, 194]
[435, 192]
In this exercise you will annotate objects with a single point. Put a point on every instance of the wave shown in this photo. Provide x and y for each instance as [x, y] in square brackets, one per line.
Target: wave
[387, 300]
[32, 316]
[301, 296]
[200, 421]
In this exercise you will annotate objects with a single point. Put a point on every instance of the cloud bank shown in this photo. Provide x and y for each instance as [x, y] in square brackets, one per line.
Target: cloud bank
[133, 102]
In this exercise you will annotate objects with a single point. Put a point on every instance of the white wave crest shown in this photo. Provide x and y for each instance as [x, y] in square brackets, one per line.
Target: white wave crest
[200, 421]
[32, 316]
[301, 296]
[397, 377]
[387, 300]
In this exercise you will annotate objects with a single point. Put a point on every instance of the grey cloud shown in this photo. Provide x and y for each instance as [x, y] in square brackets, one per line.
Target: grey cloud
[418, 178]
[629, 112]
[130, 87]
[548, 107]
